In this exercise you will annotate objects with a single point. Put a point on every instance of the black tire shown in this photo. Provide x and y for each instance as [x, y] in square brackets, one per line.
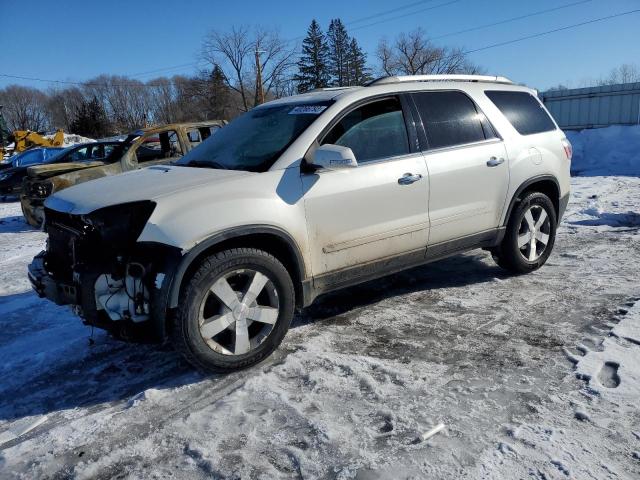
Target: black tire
[185, 332]
[508, 255]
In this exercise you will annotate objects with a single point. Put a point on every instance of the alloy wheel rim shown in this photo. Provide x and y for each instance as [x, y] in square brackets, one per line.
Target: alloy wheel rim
[238, 311]
[534, 233]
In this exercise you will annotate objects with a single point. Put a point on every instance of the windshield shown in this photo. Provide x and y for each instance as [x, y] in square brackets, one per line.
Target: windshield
[51, 153]
[256, 139]
[59, 154]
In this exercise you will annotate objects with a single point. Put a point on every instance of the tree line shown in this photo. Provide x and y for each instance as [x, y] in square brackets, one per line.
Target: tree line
[243, 66]
[625, 73]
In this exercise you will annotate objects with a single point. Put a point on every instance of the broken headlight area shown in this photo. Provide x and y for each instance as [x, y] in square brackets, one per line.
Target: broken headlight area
[119, 226]
[117, 280]
[40, 189]
[101, 239]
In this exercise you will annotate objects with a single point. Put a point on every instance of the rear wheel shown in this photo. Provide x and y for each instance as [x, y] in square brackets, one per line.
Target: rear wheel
[235, 311]
[530, 235]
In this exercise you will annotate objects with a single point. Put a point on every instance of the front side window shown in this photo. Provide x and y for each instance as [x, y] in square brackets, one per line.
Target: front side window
[451, 118]
[79, 155]
[256, 139]
[109, 150]
[374, 131]
[159, 146]
[523, 111]
[97, 152]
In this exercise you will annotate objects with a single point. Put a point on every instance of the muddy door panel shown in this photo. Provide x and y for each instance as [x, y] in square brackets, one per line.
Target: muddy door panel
[366, 213]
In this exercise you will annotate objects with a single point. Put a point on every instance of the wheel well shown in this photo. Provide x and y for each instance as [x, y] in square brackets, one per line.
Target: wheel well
[547, 186]
[270, 243]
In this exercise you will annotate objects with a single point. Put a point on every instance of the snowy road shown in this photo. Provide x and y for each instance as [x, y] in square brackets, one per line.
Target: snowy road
[534, 376]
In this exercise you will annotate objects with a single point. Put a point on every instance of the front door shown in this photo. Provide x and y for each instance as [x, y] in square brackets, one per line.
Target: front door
[378, 210]
[468, 168]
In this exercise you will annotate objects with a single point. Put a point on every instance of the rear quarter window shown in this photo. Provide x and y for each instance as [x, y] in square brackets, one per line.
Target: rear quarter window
[523, 110]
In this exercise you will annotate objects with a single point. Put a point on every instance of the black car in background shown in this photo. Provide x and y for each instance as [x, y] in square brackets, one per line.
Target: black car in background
[11, 178]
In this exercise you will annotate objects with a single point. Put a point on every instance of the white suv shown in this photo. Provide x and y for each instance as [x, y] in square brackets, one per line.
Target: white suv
[305, 195]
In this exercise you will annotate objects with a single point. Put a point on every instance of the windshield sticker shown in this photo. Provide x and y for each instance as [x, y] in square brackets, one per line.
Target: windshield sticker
[308, 110]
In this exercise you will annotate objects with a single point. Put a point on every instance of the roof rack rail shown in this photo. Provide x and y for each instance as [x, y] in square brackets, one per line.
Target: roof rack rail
[331, 89]
[439, 78]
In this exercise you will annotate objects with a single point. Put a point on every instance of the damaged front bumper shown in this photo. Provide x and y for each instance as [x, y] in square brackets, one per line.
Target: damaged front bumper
[111, 283]
[106, 301]
[45, 285]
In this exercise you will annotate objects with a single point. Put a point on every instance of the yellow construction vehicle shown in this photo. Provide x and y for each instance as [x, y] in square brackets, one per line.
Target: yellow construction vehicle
[25, 139]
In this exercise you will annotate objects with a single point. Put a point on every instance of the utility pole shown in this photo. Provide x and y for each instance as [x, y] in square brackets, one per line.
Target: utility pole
[259, 89]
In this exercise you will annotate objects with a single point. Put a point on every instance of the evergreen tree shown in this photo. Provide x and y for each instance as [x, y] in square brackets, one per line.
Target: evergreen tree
[357, 70]
[219, 97]
[91, 120]
[312, 66]
[338, 52]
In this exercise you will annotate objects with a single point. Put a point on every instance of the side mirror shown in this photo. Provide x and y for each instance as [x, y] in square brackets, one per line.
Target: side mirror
[333, 157]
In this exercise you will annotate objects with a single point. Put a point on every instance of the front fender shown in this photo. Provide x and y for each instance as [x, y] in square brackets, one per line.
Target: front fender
[177, 276]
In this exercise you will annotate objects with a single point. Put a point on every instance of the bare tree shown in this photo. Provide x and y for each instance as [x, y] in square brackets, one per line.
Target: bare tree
[414, 54]
[625, 73]
[386, 58]
[63, 106]
[235, 53]
[24, 108]
[126, 101]
[162, 100]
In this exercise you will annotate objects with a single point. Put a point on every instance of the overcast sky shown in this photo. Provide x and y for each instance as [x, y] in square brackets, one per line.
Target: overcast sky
[77, 40]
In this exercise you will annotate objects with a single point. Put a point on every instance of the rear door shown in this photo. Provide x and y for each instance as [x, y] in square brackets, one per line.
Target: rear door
[378, 209]
[468, 171]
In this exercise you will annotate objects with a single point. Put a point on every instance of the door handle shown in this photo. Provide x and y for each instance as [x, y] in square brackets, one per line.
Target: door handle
[494, 161]
[409, 178]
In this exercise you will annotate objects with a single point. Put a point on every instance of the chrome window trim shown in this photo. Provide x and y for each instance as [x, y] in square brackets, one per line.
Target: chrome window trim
[463, 146]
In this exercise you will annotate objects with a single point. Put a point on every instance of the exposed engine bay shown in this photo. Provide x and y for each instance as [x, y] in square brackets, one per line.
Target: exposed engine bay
[94, 263]
[124, 298]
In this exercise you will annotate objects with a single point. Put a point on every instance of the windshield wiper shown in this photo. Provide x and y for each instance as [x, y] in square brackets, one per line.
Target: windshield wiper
[204, 164]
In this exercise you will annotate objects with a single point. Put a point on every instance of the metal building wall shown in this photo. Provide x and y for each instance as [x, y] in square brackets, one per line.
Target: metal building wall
[594, 107]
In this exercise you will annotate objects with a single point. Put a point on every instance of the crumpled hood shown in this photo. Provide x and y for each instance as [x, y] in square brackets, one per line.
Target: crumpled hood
[53, 169]
[148, 183]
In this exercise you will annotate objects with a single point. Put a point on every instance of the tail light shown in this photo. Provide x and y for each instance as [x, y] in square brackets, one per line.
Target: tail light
[568, 149]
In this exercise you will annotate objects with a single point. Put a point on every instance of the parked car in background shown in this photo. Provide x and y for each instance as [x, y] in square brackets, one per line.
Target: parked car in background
[145, 147]
[302, 196]
[11, 177]
[33, 156]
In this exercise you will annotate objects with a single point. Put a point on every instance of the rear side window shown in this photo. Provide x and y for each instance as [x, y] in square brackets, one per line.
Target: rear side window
[451, 118]
[523, 110]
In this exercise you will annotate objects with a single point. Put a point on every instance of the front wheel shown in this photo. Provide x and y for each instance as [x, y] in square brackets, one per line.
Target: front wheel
[530, 235]
[235, 310]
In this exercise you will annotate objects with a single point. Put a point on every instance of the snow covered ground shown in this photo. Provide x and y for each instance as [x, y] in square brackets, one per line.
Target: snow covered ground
[534, 376]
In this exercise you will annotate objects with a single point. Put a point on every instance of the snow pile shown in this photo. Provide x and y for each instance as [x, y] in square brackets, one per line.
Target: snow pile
[612, 150]
[72, 139]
